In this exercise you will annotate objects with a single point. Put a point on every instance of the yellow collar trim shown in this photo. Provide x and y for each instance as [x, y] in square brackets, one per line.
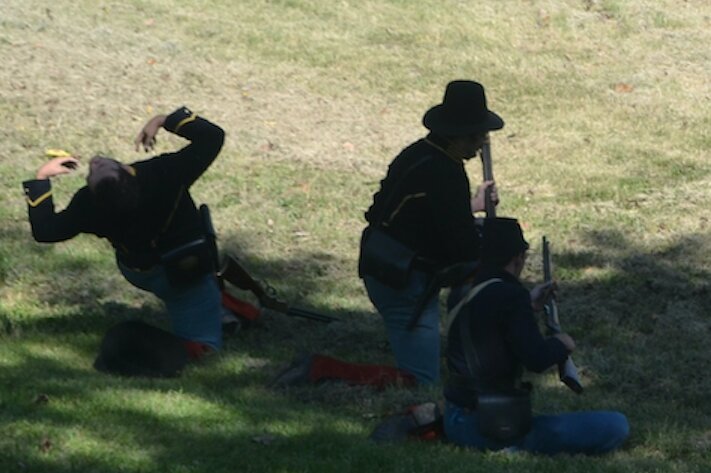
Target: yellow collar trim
[447, 153]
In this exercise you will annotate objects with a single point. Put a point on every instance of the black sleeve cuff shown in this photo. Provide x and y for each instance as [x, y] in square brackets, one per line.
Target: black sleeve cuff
[179, 118]
[37, 190]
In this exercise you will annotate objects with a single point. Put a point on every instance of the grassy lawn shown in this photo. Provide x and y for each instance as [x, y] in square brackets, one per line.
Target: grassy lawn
[605, 150]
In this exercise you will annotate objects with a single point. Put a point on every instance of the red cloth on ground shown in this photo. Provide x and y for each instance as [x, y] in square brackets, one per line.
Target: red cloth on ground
[378, 376]
[240, 308]
[196, 350]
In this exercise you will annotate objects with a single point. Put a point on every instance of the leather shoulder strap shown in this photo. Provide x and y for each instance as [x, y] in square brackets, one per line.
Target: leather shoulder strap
[452, 314]
[465, 333]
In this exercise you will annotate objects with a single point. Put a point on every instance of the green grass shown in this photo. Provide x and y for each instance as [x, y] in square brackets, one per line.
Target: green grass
[605, 151]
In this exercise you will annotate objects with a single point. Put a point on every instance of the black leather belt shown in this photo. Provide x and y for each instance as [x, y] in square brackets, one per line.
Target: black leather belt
[466, 385]
[138, 261]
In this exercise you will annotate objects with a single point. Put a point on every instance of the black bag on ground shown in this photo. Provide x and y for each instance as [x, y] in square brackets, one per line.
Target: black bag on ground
[134, 348]
[385, 258]
[504, 416]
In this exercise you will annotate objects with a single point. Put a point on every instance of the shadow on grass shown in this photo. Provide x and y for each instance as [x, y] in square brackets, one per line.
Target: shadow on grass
[639, 318]
[621, 298]
[88, 422]
[123, 423]
[212, 421]
[83, 299]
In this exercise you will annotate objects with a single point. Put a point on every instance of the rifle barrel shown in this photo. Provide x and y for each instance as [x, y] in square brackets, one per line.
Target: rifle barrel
[488, 172]
[307, 314]
[547, 273]
[551, 308]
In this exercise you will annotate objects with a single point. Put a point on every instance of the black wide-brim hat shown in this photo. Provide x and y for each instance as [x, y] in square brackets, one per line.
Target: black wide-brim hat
[462, 112]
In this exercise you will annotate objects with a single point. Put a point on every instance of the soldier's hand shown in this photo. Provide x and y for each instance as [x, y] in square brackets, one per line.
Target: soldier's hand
[567, 340]
[478, 202]
[57, 166]
[542, 294]
[147, 136]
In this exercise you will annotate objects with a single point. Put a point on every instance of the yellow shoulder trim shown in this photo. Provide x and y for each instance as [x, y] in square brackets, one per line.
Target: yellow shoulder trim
[403, 202]
[131, 170]
[185, 121]
[39, 200]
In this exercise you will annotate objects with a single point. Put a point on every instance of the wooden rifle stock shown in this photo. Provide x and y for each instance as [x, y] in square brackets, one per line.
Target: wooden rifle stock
[489, 206]
[567, 371]
[234, 273]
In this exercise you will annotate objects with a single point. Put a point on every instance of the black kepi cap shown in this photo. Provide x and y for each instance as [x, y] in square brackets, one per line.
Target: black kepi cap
[502, 240]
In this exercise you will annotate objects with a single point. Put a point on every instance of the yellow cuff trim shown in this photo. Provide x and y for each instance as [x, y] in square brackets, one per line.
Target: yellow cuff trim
[184, 121]
[131, 170]
[39, 200]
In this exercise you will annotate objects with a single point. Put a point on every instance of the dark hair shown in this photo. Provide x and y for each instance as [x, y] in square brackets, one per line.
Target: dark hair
[117, 193]
[499, 260]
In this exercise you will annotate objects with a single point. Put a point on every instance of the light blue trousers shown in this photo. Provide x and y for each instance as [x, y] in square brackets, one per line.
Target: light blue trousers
[416, 351]
[588, 432]
[195, 311]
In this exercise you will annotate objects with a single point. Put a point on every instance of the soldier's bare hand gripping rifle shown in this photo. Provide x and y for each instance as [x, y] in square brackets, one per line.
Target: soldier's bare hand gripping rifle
[567, 370]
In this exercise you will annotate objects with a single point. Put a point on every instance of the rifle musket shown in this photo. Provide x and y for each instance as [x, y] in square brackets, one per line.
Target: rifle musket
[567, 371]
[488, 172]
[307, 314]
[233, 272]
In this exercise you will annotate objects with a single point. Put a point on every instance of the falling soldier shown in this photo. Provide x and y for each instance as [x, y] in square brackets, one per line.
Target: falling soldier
[145, 210]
